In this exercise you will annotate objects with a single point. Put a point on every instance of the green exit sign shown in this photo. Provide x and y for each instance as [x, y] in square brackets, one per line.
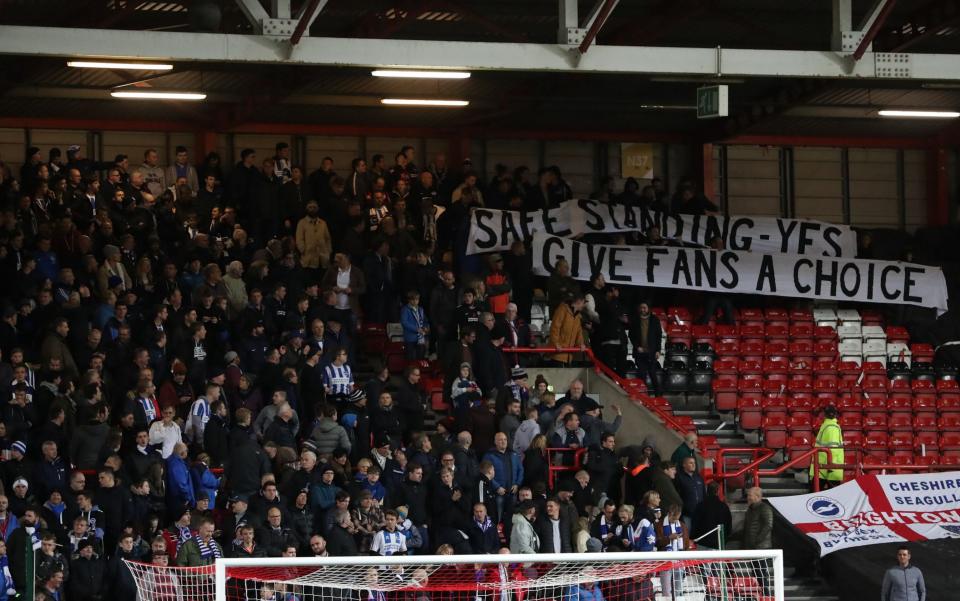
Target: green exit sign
[712, 102]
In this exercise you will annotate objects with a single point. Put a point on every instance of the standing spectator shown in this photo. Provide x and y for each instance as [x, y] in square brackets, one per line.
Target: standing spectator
[829, 436]
[663, 482]
[523, 536]
[712, 512]
[508, 474]
[313, 241]
[646, 335]
[903, 582]
[416, 328]
[603, 465]
[180, 492]
[758, 522]
[566, 329]
[182, 168]
[200, 550]
[553, 529]
[692, 490]
[153, 175]
[86, 575]
[687, 448]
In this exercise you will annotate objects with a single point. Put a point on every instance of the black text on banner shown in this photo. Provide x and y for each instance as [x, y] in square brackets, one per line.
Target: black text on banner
[495, 230]
[769, 274]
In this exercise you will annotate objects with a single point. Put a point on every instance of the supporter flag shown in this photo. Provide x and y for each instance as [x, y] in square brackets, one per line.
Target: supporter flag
[876, 509]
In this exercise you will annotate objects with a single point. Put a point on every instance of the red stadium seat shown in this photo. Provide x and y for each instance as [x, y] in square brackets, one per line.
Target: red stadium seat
[849, 403]
[725, 367]
[825, 351]
[774, 432]
[922, 352]
[901, 444]
[925, 405]
[779, 367]
[850, 371]
[875, 422]
[778, 333]
[679, 333]
[799, 388]
[802, 351]
[727, 333]
[703, 333]
[776, 316]
[801, 316]
[679, 315]
[872, 368]
[775, 406]
[751, 317]
[950, 444]
[900, 423]
[802, 331]
[728, 350]
[874, 383]
[852, 440]
[949, 422]
[871, 317]
[824, 387]
[900, 406]
[750, 387]
[799, 425]
[852, 422]
[897, 334]
[925, 423]
[899, 389]
[752, 351]
[824, 334]
[752, 333]
[927, 442]
[875, 444]
[949, 460]
[748, 367]
[875, 404]
[931, 458]
[923, 386]
[776, 351]
[749, 413]
[725, 393]
[801, 370]
[798, 445]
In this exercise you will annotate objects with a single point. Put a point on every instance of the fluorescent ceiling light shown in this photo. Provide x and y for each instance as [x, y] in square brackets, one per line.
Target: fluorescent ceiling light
[154, 95]
[920, 114]
[423, 102]
[119, 65]
[420, 74]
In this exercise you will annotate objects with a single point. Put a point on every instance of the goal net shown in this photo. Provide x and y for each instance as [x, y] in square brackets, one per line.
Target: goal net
[663, 576]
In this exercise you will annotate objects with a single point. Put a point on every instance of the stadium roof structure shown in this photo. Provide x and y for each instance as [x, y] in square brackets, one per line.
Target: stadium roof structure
[818, 68]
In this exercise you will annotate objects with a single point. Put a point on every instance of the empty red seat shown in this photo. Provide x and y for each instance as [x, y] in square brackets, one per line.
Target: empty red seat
[801, 315]
[725, 367]
[728, 350]
[775, 405]
[874, 383]
[874, 368]
[901, 460]
[799, 425]
[899, 389]
[727, 333]
[850, 371]
[900, 423]
[703, 333]
[851, 421]
[948, 404]
[875, 422]
[679, 333]
[897, 334]
[780, 367]
[801, 350]
[824, 334]
[849, 403]
[950, 443]
[922, 352]
[871, 317]
[751, 317]
[679, 315]
[725, 393]
[776, 351]
[776, 315]
[949, 422]
[874, 403]
[778, 333]
[799, 444]
[926, 442]
[925, 423]
[752, 333]
[775, 431]
[925, 404]
[824, 387]
[901, 443]
[900, 406]
[749, 413]
[928, 459]
[801, 368]
[750, 367]
[752, 350]
[800, 387]
[875, 444]
[750, 387]
[852, 440]
[825, 351]
[802, 331]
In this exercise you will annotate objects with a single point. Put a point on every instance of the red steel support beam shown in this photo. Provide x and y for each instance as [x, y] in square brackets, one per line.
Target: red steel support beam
[304, 21]
[938, 196]
[874, 29]
[597, 24]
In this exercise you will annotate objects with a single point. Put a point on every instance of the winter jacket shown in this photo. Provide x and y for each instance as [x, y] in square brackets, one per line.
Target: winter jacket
[508, 468]
[484, 538]
[205, 481]
[189, 554]
[282, 433]
[758, 527]
[412, 319]
[523, 538]
[528, 430]
[663, 484]
[341, 543]
[544, 528]
[215, 437]
[328, 435]
[314, 242]
[595, 428]
[86, 579]
[692, 490]
[246, 464]
[903, 584]
[830, 435]
[566, 330]
[86, 443]
[180, 490]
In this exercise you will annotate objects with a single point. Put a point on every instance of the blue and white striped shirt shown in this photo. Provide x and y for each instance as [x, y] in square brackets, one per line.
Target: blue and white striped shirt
[338, 379]
[199, 416]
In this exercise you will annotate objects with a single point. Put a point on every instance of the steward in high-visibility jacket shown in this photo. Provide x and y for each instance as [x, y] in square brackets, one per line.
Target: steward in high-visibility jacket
[829, 436]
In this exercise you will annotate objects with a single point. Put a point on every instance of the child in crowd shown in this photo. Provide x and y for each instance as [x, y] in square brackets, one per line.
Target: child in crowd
[465, 391]
[389, 540]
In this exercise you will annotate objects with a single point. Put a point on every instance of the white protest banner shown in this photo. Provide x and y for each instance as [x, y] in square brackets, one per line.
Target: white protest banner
[877, 509]
[770, 274]
[495, 230]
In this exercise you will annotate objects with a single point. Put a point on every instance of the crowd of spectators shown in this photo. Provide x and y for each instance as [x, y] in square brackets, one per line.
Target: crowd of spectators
[180, 351]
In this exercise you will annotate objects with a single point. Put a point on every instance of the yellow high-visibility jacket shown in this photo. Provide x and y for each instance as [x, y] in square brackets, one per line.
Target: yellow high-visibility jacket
[829, 436]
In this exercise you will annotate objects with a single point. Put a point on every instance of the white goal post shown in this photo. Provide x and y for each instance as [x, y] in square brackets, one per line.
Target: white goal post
[731, 575]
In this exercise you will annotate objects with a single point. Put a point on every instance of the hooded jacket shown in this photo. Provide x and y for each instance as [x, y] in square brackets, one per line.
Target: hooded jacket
[523, 538]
